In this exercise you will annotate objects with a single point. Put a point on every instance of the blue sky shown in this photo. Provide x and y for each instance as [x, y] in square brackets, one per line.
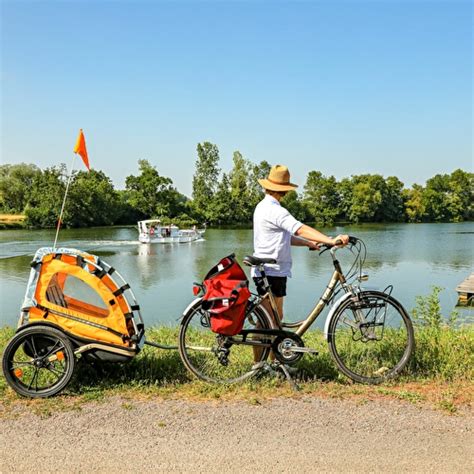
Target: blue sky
[344, 87]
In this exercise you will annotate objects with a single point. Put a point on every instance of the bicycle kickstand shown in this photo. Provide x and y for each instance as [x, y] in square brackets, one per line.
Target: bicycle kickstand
[292, 383]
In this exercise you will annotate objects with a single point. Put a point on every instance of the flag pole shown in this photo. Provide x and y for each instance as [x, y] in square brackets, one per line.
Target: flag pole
[64, 201]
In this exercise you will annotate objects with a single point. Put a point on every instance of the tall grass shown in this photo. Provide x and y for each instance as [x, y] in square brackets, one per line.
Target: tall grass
[444, 345]
[444, 351]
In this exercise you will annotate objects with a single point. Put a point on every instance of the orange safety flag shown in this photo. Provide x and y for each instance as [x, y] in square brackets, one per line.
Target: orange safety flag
[80, 148]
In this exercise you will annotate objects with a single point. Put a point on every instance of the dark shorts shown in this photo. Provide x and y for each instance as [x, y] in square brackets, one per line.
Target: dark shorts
[277, 285]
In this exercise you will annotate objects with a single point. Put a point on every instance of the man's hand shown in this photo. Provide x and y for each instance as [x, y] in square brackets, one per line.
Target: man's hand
[313, 245]
[343, 238]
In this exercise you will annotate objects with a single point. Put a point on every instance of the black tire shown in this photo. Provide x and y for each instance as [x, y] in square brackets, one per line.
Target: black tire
[38, 362]
[378, 350]
[201, 349]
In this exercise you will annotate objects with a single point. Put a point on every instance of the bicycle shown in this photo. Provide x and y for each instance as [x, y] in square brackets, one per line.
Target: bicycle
[369, 333]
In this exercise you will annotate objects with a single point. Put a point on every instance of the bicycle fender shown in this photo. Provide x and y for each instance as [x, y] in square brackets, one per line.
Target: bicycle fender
[338, 302]
[190, 305]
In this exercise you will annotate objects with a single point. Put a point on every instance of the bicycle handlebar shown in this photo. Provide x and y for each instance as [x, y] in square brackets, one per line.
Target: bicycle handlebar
[352, 240]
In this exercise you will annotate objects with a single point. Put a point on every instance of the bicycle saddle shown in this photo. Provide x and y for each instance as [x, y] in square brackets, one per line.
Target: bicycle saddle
[252, 261]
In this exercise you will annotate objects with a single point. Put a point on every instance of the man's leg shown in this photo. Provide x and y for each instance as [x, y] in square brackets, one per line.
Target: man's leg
[257, 351]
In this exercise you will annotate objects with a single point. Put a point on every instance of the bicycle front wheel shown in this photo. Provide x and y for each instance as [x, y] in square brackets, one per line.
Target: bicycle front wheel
[371, 337]
[216, 358]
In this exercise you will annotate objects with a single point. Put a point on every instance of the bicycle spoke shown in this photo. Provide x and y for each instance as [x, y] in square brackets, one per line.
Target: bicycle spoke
[213, 357]
[35, 353]
[377, 349]
[58, 373]
[35, 375]
[52, 350]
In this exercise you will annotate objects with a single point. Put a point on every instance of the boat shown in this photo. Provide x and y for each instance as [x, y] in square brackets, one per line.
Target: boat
[152, 232]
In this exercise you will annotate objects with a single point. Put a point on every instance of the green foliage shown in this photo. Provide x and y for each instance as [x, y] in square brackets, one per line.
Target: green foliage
[321, 198]
[427, 312]
[241, 208]
[449, 197]
[205, 179]
[221, 211]
[228, 198]
[392, 201]
[413, 202]
[15, 186]
[443, 348]
[46, 196]
[149, 193]
[92, 200]
[255, 191]
[296, 206]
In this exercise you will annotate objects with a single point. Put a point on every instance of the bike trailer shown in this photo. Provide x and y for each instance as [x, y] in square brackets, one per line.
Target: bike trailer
[87, 299]
[75, 303]
[226, 296]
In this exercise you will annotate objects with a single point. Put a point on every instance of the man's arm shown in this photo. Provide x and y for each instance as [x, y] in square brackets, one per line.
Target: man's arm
[300, 242]
[313, 235]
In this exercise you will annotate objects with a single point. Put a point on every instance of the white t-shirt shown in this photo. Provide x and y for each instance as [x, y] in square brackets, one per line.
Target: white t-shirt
[273, 227]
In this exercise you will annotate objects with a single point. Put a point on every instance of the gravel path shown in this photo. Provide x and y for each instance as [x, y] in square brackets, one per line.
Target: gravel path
[283, 435]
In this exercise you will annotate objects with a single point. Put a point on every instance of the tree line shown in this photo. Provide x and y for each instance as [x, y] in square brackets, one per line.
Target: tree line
[226, 198]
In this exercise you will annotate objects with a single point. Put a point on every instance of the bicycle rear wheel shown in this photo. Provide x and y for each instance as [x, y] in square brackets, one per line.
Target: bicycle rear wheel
[371, 338]
[215, 358]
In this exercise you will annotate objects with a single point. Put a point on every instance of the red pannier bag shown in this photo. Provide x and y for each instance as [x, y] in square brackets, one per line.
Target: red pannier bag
[226, 296]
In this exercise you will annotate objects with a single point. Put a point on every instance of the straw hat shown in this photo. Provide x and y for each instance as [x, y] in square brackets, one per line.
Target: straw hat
[278, 179]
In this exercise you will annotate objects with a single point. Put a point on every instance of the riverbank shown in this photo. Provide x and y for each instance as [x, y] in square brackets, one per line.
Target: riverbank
[12, 221]
[440, 376]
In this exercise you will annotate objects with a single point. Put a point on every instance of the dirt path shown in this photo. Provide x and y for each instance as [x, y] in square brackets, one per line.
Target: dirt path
[284, 435]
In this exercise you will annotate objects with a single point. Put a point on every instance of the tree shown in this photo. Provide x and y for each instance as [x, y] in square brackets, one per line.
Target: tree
[46, 197]
[239, 177]
[295, 206]
[221, 211]
[255, 191]
[365, 202]
[149, 193]
[92, 200]
[435, 198]
[205, 179]
[460, 200]
[321, 198]
[392, 200]
[371, 198]
[413, 202]
[15, 185]
[345, 189]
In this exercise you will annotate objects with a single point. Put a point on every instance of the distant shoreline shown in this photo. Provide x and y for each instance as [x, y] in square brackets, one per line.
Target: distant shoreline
[12, 221]
[17, 222]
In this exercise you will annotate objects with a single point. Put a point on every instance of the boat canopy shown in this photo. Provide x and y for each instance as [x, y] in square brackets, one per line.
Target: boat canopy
[150, 221]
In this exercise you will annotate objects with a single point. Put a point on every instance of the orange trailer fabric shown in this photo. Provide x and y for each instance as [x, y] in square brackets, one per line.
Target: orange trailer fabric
[76, 316]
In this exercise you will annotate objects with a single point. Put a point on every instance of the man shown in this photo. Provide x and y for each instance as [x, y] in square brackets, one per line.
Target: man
[275, 230]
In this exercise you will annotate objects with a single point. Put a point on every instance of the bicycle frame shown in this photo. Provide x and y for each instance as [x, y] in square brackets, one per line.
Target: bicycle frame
[305, 324]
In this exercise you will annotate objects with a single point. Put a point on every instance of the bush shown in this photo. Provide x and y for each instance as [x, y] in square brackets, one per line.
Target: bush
[444, 347]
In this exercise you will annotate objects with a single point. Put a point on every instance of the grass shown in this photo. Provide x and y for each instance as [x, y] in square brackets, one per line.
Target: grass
[440, 374]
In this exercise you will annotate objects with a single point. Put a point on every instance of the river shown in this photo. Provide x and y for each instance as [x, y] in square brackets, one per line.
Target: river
[411, 257]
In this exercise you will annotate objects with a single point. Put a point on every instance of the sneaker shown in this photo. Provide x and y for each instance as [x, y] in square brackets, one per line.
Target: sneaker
[259, 365]
[264, 368]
